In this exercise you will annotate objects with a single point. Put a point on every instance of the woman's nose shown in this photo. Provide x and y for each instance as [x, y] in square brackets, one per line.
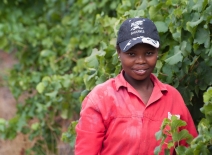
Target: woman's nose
[140, 59]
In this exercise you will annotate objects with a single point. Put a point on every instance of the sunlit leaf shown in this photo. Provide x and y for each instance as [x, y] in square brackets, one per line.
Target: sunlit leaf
[183, 134]
[161, 26]
[177, 123]
[40, 87]
[35, 126]
[175, 58]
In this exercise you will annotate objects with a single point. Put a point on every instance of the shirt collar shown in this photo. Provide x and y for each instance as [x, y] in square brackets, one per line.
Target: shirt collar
[121, 82]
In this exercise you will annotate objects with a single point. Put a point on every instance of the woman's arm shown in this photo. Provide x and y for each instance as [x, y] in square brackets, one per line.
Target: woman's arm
[90, 130]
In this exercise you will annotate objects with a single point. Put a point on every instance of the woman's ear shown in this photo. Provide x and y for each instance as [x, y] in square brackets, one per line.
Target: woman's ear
[118, 50]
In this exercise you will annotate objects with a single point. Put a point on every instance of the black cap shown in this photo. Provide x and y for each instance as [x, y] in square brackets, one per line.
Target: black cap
[137, 30]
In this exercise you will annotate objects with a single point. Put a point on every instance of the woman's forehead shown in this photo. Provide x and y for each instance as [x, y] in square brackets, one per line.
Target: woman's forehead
[142, 45]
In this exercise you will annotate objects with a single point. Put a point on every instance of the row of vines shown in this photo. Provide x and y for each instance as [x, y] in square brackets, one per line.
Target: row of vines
[66, 47]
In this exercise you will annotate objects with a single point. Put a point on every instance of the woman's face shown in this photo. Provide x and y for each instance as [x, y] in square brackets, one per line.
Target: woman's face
[138, 62]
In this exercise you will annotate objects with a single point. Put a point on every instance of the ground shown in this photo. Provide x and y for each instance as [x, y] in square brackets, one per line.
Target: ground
[8, 110]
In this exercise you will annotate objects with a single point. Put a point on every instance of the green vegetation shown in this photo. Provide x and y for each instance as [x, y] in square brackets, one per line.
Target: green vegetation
[66, 47]
[201, 145]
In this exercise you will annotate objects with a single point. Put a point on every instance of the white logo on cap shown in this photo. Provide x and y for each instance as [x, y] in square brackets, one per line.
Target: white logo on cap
[143, 40]
[137, 26]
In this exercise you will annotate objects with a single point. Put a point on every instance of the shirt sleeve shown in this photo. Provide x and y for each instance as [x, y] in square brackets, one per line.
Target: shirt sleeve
[185, 116]
[190, 127]
[90, 130]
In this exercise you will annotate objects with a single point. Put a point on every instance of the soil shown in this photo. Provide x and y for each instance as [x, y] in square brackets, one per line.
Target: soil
[18, 145]
[8, 109]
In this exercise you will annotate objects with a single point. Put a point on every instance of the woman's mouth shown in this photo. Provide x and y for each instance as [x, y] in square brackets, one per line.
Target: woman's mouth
[140, 71]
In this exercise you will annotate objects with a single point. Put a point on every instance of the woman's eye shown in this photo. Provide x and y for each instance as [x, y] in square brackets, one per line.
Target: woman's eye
[149, 53]
[131, 54]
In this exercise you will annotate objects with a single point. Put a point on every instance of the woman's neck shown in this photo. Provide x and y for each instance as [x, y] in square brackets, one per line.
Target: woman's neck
[145, 84]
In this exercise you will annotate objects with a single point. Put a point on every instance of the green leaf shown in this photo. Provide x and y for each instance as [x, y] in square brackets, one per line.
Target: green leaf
[170, 145]
[92, 60]
[40, 87]
[3, 42]
[207, 95]
[165, 122]
[157, 150]
[185, 48]
[52, 94]
[180, 149]
[209, 52]
[64, 113]
[90, 80]
[35, 126]
[158, 66]
[177, 35]
[134, 13]
[203, 126]
[101, 79]
[144, 5]
[195, 23]
[153, 12]
[167, 152]
[84, 93]
[161, 26]
[2, 121]
[200, 5]
[158, 134]
[177, 57]
[202, 36]
[183, 134]
[176, 123]
[207, 109]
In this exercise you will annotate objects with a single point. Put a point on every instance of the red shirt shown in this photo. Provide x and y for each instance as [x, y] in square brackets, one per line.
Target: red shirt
[115, 121]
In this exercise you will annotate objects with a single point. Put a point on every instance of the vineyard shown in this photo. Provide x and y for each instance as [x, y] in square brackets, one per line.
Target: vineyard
[63, 48]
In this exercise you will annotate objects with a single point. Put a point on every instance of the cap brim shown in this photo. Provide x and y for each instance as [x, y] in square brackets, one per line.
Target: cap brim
[126, 45]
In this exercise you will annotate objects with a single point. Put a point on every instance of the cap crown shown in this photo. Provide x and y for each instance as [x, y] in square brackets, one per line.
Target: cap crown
[136, 27]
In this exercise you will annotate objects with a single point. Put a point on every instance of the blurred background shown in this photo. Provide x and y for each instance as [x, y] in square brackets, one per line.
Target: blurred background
[53, 52]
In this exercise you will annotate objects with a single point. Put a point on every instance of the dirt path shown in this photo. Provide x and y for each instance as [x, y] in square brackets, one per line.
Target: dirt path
[8, 110]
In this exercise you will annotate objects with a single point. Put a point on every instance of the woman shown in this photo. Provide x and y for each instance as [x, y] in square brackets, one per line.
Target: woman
[122, 115]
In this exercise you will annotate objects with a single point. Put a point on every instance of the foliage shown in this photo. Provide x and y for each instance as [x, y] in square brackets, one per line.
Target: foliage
[171, 128]
[202, 144]
[66, 47]
[51, 39]
[70, 135]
